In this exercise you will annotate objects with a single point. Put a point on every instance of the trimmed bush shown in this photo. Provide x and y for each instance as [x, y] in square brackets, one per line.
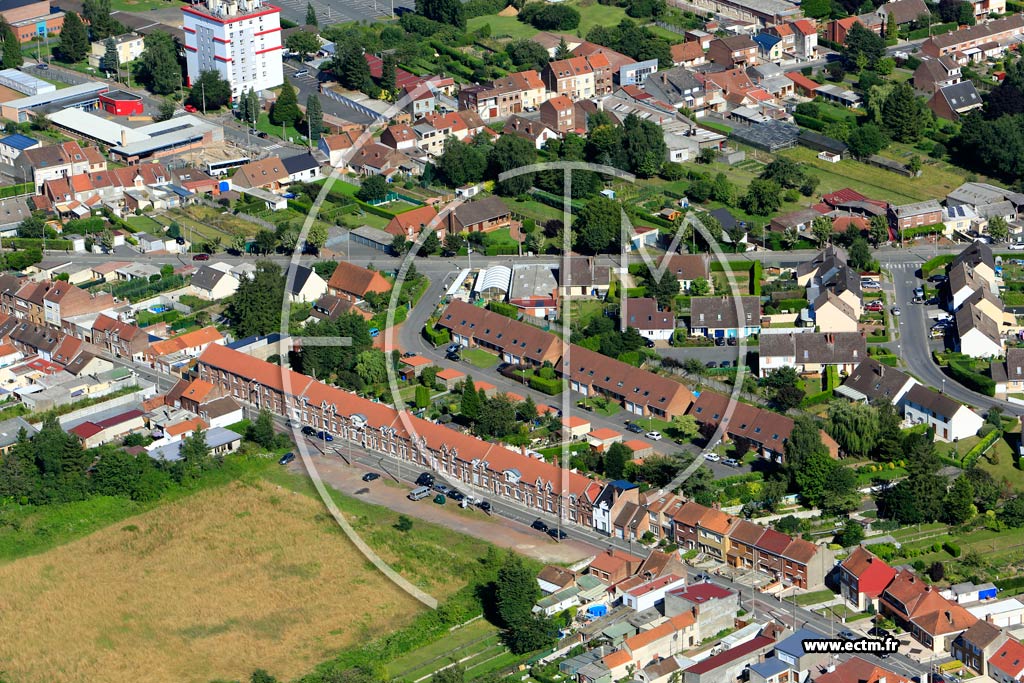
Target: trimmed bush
[507, 310]
[963, 373]
[951, 548]
[551, 387]
[437, 337]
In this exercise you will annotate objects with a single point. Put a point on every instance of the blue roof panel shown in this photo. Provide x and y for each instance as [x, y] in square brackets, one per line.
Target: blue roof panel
[19, 141]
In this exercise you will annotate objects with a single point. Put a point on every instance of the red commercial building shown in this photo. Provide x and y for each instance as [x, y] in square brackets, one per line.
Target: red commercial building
[121, 103]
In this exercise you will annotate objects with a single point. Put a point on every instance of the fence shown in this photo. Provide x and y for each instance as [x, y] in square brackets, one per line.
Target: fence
[146, 389]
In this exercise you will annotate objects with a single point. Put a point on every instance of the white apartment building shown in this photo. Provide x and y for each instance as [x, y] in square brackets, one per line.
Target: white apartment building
[240, 39]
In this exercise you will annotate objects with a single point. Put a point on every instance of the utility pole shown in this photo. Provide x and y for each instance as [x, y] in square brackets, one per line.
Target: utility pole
[204, 98]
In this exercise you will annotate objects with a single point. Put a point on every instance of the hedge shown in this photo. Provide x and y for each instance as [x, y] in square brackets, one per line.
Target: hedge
[936, 29]
[33, 243]
[936, 229]
[935, 263]
[15, 190]
[507, 310]
[979, 449]
[951, 548]
[1014, 582]
[635, 292]
[436, 337]
[975, 381]
[809, 122]
[551, 387]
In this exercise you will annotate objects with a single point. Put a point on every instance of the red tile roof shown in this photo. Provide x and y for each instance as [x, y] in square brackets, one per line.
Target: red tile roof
[730, 655]
[1009, 658]
[871, 572]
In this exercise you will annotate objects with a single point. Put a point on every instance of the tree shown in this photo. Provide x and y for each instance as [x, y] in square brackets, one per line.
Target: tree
[526, 54]
[255, 308]
[937, 571]
[598, 226]
[785, 172]
[959, 502]
[1013, 512]
[261, 676]
[454, 243]
[450, 674]
[986, 490]
[110, 61]
[373, 189]
[763, 197]
[860, 256]
[470, 404]
[462, 163]
[32, 227]
[159, 68]
[431, 244]
[388, 72]
[285, 110]
[863, 42]
[643, 143]
[781, 387]
[19, 476]
[998, 229]
[509, 153]
[311, 19]
[12, 56]
[903, 114]
[866, 139]
[166, 111]
[195, 455]
[771, 493]
[210, 91]
[878, 230]
[303, 43]
[372, 366]
[351, 68]
[515, 592]
[74, 39]
[443, 11]
[891, 28]
[404, 524]
[851, 534]
[316, 237]
[562, 51]
[102, 24]
[821, 229]
[664, 289]
[262, 430]
[854, 426]
[808, 462]
[699, 287]
[533, 633]
[706, 156]
[615, 460]
[553, 18]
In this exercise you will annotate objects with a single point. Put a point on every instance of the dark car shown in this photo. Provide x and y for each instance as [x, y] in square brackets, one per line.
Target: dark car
[635, 428]
[441, 488]
[484, 505]
[456, 495]
[732, 341]
[286, 458]
[725, 364]
[719, 341]
[264, 134]
[324, 436]
[878, 632]
[308, 431]
[711, 364]
[649, 343]
[425, 479]
[539, 525]
[454, 357]
[937, 278]
[557, 534]
[200, 257]
[371, 476]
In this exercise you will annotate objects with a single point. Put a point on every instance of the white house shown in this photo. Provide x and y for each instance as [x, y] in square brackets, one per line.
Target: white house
[651, 593]
[306, 287]
[302, 168]
[644, 316]
[949, 419]
[213, 284]
[963, 282]
[978, 334]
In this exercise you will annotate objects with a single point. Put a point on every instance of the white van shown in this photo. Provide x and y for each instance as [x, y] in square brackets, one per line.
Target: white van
[419, 493]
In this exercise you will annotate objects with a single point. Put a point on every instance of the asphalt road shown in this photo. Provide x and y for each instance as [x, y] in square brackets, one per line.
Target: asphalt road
[915, 345]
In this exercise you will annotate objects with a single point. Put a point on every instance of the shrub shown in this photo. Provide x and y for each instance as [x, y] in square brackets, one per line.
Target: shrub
[951, 548]
[551, 387]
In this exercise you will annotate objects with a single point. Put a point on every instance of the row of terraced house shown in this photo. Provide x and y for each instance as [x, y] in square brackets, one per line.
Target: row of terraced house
[618, 509]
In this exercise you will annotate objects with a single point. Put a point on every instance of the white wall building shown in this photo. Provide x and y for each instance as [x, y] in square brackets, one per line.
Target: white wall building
[239, 39]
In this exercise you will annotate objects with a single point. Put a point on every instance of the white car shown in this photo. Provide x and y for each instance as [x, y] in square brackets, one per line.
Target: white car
[653, 436]
[711, 457]
[895, 310]
[869, 284]
[1015, 246]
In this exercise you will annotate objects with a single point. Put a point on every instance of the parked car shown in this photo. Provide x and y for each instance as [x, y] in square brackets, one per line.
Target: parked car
[286, 458]
[539, 525]
[934, 301]
[371, 476]
[456, 495]
[1015, 246]
[425, 479]
[719, 341]
[919, 292]
[43, 67]
[937, 278]
[441, 488]
[875, 307]
[190, 109]
[557, 534]
[711, 457]
[711, 364]
[731, 462]
[200, 257]
[374, 331]
[440, 499]
[895, 310]
[725, 364]
[649, 343]
[408, 354]
[453, 348]
[653, 436]
[732, 341]
[453, 357]
[308, 431]
[484, 505]
[253, 131]
[324, 436]
[878, 632]
[634, 427]
[847, 634]
[869, 284]
[264, 134]
[300, 73]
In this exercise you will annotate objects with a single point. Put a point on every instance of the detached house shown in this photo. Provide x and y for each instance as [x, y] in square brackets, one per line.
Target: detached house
[352, 282]
[644, 316]
[687, 268]
[269, 173]
[951, 102]
[713, 316]
[483, 215]
[1007, 664]
[410, 224]
[950, 420]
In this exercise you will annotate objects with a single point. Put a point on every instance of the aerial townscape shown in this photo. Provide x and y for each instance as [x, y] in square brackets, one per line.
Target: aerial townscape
[512, 341]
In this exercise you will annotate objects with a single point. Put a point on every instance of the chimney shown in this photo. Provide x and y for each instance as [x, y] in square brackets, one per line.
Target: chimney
[124, 136]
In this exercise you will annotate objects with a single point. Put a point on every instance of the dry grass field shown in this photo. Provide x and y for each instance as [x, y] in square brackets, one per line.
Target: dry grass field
[209, 587]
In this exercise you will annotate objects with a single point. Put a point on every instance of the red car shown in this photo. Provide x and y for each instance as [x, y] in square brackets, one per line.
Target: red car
[875, 307]
[200, 257]
[190, 109]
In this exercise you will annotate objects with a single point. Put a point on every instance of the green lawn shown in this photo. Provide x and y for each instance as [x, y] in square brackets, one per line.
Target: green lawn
[873, 182]
[535, 210]
[454, 646]
[479, 358]
[145, 224]
[593, 14]
[141, 5]
[671, 36]
[501, 27]
[264, 124]
[812, 598]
